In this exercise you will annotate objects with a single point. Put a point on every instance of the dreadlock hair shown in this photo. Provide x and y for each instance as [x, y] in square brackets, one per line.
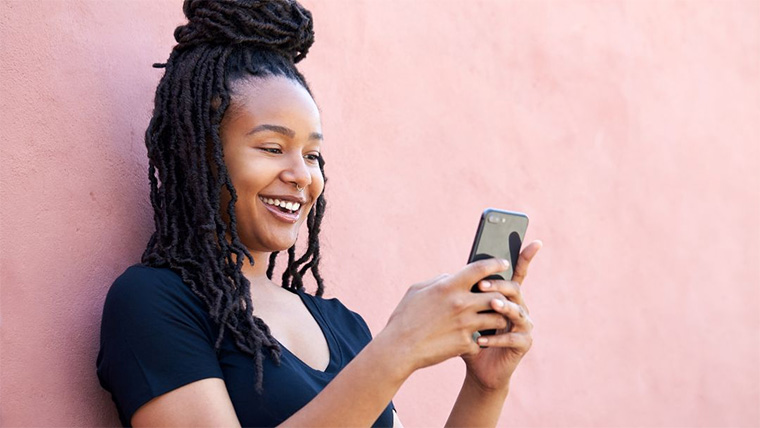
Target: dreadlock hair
[223, 41]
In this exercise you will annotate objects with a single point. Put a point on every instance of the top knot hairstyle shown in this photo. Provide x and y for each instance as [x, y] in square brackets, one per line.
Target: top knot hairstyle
[283, 26]
[223, 41]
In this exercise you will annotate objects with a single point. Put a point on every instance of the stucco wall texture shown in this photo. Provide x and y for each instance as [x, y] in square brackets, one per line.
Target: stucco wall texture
[629, 131]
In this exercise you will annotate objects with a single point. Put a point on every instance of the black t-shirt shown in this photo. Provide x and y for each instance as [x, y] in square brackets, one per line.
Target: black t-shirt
[156, 336]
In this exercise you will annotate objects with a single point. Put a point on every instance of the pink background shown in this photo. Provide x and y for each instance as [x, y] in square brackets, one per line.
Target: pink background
[629, 131]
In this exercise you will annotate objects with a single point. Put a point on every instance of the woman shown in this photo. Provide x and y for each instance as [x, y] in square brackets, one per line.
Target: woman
[199, 333]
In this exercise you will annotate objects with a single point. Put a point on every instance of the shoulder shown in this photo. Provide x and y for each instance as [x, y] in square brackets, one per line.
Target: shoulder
[142, 294]
[139, 284]
[139, 281]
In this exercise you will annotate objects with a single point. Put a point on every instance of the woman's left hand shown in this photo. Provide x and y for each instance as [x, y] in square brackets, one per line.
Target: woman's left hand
[492, 367]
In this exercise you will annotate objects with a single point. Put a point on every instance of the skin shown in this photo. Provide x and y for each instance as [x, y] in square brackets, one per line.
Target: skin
[273, 163]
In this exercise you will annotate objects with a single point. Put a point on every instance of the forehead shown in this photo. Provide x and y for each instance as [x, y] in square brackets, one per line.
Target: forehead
[275, 100]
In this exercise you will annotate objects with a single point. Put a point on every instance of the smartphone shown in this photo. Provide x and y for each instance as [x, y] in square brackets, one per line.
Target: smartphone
[500, 234]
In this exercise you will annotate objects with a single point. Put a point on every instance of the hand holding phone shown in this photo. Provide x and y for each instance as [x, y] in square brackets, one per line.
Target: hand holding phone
[500, 234]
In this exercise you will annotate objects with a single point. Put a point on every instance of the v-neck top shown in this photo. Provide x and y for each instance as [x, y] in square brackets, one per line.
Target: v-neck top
[336, 356]
[157, 335]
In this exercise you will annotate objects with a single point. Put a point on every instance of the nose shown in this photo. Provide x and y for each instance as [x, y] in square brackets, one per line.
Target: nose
[296, 172]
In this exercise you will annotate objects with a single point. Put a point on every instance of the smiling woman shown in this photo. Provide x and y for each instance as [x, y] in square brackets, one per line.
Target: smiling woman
[199, 333]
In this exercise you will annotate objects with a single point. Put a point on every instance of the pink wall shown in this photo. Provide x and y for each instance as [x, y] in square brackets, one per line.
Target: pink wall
[628, 131]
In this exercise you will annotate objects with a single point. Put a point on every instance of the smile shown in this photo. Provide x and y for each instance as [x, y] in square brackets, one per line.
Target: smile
[286, 206]
[286, 211]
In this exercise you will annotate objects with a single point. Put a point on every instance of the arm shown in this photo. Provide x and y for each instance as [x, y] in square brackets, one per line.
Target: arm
[204, 403]
[370, 380]
[359, 393]
[489, 371]
[368, 383]
[450, 314]
[476, 407]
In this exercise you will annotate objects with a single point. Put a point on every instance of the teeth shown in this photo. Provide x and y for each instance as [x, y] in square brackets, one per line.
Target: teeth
[291, 206]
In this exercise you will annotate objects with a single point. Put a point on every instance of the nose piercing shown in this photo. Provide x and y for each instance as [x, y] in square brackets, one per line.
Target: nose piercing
[299, 188]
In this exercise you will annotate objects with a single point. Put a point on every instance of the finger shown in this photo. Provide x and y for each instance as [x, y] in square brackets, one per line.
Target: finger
[519, 341]
[476, 271]
[482, 301]
[509, 289]
[489, 321]
[526, 256]
[516, 313]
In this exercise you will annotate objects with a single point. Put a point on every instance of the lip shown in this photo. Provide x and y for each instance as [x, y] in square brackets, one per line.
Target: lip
[281, 216]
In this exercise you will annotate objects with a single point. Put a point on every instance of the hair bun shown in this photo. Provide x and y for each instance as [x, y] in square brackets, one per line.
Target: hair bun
[280, 25]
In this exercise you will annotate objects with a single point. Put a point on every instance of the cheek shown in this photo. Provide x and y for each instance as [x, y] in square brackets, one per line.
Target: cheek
[250, 177]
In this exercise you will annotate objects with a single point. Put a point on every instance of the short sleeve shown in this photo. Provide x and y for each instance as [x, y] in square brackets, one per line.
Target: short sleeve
[155, 336]
[362, 326]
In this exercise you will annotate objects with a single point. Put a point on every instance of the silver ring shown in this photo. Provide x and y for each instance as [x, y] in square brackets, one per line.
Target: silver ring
[299, 188]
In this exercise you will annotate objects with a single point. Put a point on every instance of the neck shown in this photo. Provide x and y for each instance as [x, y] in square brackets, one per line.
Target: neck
[264, 291]
[256, 274]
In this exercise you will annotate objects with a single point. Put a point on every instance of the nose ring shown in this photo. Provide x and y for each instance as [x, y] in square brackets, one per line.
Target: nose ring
[299, 188]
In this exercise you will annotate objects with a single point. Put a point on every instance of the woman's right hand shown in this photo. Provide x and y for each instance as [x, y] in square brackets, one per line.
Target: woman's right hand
[436, 319]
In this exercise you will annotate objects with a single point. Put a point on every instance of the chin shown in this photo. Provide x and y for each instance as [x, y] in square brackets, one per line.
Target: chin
[283, 247]
[270, 245]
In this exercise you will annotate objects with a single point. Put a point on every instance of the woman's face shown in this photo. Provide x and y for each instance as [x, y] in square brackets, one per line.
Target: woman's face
[271, 136]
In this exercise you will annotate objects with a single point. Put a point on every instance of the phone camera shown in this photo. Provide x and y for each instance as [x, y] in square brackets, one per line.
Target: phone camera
[493, 218]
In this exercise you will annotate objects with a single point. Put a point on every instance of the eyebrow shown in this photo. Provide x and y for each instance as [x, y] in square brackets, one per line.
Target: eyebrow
[282, 130]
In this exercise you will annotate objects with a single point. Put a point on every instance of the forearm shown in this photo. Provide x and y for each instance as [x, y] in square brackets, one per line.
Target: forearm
[360, 392]
[476, 407]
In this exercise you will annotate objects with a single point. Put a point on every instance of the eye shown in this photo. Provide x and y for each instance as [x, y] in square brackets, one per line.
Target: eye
[272, 150]
[313, 157]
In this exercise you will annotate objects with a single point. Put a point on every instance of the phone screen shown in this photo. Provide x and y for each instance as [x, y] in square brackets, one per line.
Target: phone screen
[500, 234]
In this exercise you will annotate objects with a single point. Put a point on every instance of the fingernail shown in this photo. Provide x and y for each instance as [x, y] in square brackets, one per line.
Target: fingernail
[499, 303]
[482, 340]
[485, 284]
[505, 263]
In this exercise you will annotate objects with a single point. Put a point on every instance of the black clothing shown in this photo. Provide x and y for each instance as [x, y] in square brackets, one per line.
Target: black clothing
[156, 336]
